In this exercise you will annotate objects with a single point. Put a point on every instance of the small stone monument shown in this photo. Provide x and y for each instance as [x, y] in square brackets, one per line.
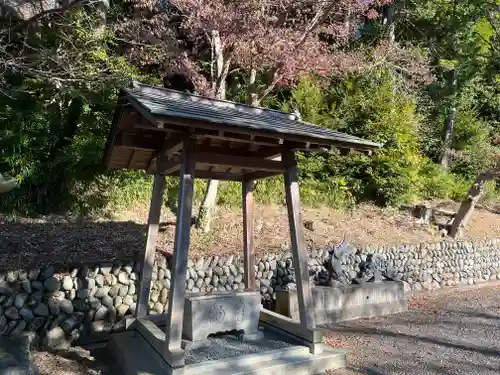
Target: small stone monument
[221, 312]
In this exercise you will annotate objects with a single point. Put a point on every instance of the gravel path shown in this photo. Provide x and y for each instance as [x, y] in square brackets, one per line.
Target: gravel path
[448, 333]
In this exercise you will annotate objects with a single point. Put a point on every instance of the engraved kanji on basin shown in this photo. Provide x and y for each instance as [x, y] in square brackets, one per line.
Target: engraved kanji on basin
[208, 314]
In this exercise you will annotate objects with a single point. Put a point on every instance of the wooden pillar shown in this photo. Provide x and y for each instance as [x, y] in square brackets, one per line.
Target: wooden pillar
[248, 234]
[149, 253]
[299, 250]
[177, 293]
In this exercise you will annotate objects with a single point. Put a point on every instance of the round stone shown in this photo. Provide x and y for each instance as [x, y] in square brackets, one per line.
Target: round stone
[215, 280]
[101, 313]
[37, 285]
[26, 285]
[218, 271]
[121, 310]
[47, 273]
[51, 284]
[107, 301]
[94, 302]
[131, 289]
[71, 294]
[66, 306]
[22, 275]
[12, 313]
[155, 295]
[113, 291]
[158, 308]
[122, 292]
[118, 301]
[26, 314]
[99, 280]
[128, 300]
[82, 293]
[67, 283]
[20, 300]
[123, 278]
[11, 276]
[33, 274]
[41, 310]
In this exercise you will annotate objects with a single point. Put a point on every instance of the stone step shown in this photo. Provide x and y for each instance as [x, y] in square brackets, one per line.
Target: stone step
[296, 362]
[248, 360]
[136, 357]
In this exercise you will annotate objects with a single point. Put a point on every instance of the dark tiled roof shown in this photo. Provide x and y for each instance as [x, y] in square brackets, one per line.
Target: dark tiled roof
[160, 102]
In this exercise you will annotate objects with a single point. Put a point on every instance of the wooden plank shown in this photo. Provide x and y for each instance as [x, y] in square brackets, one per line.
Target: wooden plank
[181, 245]
[152, 236]
[239, 162]
[248, 234]
[299, 250]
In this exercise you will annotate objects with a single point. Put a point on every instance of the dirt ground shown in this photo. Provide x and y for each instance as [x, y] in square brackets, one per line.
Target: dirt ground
[448, 332]
[55, 239]
[75, 361]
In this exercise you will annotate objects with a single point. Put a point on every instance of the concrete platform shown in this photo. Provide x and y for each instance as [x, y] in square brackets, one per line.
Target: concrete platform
[346, 302]
[271, 355]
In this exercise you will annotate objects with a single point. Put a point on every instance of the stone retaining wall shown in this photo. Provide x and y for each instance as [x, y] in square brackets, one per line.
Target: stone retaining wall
[62, 304]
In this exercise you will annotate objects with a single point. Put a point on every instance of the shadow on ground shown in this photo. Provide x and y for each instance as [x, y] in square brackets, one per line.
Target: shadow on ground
[451, 333]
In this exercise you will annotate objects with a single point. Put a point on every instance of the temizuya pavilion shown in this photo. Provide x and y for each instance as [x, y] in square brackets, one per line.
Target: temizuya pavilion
[171, 133]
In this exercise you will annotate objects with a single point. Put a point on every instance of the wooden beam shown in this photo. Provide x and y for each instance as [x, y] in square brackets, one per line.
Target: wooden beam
[280, 138]
[135, 142]
[259, 175]
[299, 250]
[152, 236]
[248, 234]
[222, 176]
[262, 152]
[172, 146]
[169, 166]
[239, 162]
[173, 333]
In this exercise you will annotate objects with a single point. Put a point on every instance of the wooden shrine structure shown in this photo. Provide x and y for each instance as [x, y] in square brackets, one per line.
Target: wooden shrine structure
[170, 133]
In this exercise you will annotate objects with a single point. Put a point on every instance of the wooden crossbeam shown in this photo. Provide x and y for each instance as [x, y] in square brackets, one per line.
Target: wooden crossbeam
[259, 175]
[171, 146]
[221, 176]
[170, 166]
[250, 163]
[261, 152]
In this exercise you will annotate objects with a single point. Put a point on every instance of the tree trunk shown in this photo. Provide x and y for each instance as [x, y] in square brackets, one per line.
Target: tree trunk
[389, 23]
[221, 71]
[253, 98]
[102, 8]
[448, 126]
[448, 138]
[467, 207]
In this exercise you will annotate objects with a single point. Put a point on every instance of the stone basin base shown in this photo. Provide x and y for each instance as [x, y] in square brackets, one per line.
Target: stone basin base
[221, 312]
[346, 302]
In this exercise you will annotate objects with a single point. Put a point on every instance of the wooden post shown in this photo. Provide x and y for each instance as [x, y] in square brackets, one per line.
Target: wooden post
[149, 253]
[299, 250]
[177, 293]
[248, 234]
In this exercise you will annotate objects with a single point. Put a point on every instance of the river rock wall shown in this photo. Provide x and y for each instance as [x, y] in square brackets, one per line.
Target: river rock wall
[64, 304]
